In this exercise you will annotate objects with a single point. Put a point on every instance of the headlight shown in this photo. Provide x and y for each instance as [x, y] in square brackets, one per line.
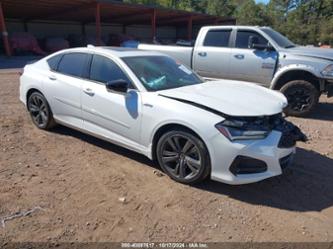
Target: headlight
[240, 130]
[328, 71]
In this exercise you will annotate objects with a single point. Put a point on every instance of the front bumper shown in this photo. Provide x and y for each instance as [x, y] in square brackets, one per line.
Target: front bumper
[223, 153]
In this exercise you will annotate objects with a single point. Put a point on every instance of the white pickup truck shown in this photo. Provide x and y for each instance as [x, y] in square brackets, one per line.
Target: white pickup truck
[260, 55]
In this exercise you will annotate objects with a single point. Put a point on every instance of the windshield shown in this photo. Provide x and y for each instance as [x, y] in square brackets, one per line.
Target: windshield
[281, 40]
[161, 72]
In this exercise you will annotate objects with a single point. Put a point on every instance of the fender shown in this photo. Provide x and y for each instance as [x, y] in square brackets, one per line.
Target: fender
[293, 67]
[173, 122]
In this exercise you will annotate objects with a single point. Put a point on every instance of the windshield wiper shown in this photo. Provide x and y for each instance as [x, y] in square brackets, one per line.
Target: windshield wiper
[290, 46]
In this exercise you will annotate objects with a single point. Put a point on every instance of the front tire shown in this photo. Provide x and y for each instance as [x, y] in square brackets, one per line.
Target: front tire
[302, 97]
[183, 156]
[40, 111]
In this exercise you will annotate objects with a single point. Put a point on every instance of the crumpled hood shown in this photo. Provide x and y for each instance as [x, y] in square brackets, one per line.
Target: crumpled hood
[323, 53]
[234, 98]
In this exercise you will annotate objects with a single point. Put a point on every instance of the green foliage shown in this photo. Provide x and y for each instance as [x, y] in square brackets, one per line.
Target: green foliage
[250, 13]
[303, 21]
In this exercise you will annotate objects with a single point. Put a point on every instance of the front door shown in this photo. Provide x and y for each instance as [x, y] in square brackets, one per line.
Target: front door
[249, 64]
[113, 115]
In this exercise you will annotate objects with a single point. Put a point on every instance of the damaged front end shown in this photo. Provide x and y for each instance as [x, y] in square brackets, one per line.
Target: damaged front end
[251, 128]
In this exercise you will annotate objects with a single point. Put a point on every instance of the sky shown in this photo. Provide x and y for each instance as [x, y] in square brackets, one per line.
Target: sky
[262, 1]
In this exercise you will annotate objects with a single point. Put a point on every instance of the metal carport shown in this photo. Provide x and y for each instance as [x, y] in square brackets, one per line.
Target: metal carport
[98, 11]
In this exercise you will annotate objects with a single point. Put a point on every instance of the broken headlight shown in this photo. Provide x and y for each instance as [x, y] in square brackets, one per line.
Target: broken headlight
[242, 130]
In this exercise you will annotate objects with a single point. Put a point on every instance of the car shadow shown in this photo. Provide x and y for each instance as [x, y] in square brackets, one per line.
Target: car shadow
[323, 111]
[62, 130]
[305, 186]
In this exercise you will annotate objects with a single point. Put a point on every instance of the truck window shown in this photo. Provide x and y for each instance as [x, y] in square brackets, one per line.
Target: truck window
[217, 38]
[242, 38]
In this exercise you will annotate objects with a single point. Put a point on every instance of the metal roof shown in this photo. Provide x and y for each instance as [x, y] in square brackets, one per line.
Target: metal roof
[83, 11]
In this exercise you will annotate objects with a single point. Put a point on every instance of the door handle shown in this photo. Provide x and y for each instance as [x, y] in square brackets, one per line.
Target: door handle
[202, 54]
[89, 92]
[239, 56]
[52, 77]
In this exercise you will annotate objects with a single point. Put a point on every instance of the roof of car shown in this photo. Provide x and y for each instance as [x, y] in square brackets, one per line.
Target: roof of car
[113, 51]
[123, 51]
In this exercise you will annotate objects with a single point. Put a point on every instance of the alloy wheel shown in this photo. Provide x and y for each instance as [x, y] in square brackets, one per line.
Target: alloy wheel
[299, 99]
[181, 157]
[38, 110]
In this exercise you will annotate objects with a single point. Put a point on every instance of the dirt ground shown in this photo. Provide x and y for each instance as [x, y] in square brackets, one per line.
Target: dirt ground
[90, 190]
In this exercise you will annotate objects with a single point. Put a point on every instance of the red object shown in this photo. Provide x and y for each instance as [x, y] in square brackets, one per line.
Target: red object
[98, 24]
[153, 24]
[4, 32]
[25, 42]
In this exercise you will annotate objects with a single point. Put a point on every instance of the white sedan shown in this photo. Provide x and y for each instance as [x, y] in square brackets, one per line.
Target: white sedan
[231, 131]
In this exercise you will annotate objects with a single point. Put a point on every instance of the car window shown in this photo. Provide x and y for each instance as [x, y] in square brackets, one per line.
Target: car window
[217, 38]
[161, 72]
[72, 64]
[104, 70]
[54, 61]
[242, 39]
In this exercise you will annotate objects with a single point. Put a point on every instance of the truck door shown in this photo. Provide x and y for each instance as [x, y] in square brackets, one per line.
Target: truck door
[211, 58]
[250, 64]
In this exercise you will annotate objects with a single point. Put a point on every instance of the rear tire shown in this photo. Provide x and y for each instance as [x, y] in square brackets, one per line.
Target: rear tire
[183, 156]
[40, 111]
[302, 97]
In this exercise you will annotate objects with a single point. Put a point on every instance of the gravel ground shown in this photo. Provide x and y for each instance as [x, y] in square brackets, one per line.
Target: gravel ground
[85, 189]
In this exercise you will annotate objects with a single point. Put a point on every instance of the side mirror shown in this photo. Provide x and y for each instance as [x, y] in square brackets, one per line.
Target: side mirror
[117, 86]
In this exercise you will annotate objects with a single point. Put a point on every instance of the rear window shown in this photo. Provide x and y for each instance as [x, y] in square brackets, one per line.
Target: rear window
[72, 64]
[217, 38]
[54, 61]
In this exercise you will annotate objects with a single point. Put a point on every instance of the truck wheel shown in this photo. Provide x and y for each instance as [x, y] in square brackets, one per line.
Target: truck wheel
[302, 97]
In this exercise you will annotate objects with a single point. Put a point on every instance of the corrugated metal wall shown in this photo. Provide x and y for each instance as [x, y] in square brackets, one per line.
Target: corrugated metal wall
[52, 29]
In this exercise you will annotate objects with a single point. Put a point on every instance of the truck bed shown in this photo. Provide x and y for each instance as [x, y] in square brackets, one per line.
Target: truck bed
[182, 54]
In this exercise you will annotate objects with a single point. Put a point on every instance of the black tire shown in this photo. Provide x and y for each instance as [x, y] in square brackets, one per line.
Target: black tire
[40, 111]
[302, 97]
[193, 162]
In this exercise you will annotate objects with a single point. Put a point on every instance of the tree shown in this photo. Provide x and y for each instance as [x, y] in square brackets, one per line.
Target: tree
[221, 7]
[303, 21]
[250, 13]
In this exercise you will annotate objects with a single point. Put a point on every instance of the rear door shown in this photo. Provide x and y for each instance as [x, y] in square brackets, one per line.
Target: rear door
[249, 64]
[63, 86]
[113, 115]
[211, 58]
